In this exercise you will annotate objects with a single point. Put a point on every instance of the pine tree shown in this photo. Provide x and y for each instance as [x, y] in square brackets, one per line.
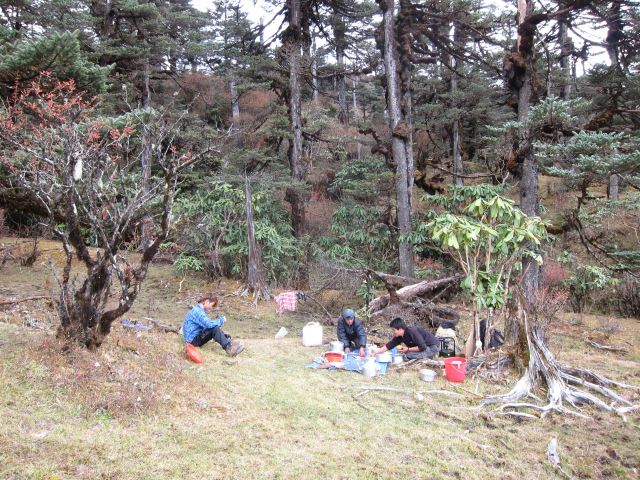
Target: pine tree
[58, 53]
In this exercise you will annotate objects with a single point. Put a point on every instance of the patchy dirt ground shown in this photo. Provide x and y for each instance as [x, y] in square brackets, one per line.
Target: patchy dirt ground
[137, 409]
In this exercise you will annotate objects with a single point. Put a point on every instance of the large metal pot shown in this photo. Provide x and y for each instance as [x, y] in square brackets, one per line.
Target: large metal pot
[384, 357]
[336, 346]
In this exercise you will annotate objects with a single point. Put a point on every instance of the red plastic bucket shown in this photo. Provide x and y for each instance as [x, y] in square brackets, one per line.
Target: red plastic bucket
[455, 369]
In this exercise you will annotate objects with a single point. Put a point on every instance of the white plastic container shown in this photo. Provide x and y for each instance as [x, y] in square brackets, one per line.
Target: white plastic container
[312, 335]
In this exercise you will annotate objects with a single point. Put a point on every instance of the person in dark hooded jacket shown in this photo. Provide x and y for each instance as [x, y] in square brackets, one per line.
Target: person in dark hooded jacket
[351, 332]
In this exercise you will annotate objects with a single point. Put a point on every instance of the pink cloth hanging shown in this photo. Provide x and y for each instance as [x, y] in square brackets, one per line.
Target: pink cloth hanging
[286, 301]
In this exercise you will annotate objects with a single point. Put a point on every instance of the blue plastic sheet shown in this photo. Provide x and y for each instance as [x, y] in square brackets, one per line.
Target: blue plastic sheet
[351, 363]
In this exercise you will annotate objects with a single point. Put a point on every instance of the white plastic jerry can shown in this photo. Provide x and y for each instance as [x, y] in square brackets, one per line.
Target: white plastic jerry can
[312, 335]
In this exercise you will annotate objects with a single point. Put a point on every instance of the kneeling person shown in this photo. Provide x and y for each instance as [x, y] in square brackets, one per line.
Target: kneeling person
[419, 343]
[351, 332]
[198, 328]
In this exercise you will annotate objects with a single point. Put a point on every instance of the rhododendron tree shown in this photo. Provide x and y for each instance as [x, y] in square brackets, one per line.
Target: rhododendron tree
[82, 173]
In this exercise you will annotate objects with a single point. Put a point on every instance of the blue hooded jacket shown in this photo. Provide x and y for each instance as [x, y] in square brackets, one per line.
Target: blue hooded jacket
[351, 333]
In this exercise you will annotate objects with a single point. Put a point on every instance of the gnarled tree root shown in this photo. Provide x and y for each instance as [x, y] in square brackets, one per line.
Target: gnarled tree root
[568, 388]
[257, 293]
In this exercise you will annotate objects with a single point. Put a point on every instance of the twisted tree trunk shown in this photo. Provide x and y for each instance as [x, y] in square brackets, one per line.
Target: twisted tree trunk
[255, 282]
[529, 202]
[400, 135]
[292, 45]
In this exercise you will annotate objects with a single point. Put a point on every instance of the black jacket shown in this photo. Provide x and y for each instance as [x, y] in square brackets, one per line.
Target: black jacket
[352, 333]
[414, 337]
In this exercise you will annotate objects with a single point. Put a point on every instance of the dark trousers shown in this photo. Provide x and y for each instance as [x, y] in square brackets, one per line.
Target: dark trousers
[208, 334]
[430, 352]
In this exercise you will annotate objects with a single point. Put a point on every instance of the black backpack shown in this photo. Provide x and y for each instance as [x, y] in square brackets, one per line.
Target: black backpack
[497, 338]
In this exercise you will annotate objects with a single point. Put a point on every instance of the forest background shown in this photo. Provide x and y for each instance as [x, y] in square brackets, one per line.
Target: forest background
[347, 123]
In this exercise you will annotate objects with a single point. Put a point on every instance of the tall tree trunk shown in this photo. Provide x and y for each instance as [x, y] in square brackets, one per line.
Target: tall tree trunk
[354, 104]
[292, 45]
[529, 202]
[566, 48]
[614, 187]
[404, 34]
[400, 131]
[255, 282]
[314, 69]
[354, 99]
[615, 36]
[235, 105]
[261, 31]
[339, 37]
[145, 159]
[458, 168]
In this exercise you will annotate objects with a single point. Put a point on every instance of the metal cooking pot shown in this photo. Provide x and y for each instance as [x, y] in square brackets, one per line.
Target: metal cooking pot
[397, 359]
[336, 346]
[370, 369]
[384, 357]
[427, 375]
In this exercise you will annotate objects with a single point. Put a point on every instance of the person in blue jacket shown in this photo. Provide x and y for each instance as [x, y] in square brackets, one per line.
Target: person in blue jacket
[198, 328]
[351, 332]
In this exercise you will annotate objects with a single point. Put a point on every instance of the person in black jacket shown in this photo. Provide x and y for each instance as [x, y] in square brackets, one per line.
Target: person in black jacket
[418, 342]
[351, 332]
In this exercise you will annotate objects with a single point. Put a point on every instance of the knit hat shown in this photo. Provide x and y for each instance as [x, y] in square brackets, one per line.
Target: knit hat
[348, 313]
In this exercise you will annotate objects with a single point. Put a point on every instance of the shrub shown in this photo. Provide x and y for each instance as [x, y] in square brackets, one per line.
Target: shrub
[185, 263]
[627, 297]
[553, 274]
[214, 232]
[585, 282]
[552, 296]
[550, 301]
[359, 239]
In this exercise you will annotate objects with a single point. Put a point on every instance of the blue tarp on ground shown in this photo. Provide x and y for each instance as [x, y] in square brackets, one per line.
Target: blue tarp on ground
[351, 363]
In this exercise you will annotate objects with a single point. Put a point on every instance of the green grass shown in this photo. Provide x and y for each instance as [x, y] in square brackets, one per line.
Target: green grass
[137, 409]
[263, 415]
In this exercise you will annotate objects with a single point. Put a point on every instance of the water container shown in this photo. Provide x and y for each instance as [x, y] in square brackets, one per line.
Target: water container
[312, 335]
[455, 369]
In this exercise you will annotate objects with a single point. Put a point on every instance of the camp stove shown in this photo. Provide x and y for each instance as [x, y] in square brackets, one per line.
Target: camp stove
[447, 347]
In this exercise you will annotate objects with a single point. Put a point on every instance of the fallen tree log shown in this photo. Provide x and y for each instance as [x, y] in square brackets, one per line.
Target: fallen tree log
[422, 362]
[162, 327]
[414, 290]
[600, 346]
[420, 312]
[27, 299]
[395, 281]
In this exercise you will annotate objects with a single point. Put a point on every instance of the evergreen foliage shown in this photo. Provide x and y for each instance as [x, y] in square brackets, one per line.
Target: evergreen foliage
[214, 238]
[459, 76]
[58, 53]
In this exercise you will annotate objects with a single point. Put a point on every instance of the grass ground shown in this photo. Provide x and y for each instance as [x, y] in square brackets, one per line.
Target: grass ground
[136, 409]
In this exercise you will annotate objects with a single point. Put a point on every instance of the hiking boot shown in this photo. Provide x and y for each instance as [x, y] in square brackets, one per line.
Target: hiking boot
[234, 348]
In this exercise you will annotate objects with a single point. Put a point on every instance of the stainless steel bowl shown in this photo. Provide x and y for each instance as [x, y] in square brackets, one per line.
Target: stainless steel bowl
[384, 357]
[427, 375]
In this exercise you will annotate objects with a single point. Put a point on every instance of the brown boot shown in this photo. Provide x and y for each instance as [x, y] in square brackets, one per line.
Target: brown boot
[234, 348]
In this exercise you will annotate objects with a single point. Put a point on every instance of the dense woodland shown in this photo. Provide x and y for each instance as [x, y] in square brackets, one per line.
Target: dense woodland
[325, 143]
